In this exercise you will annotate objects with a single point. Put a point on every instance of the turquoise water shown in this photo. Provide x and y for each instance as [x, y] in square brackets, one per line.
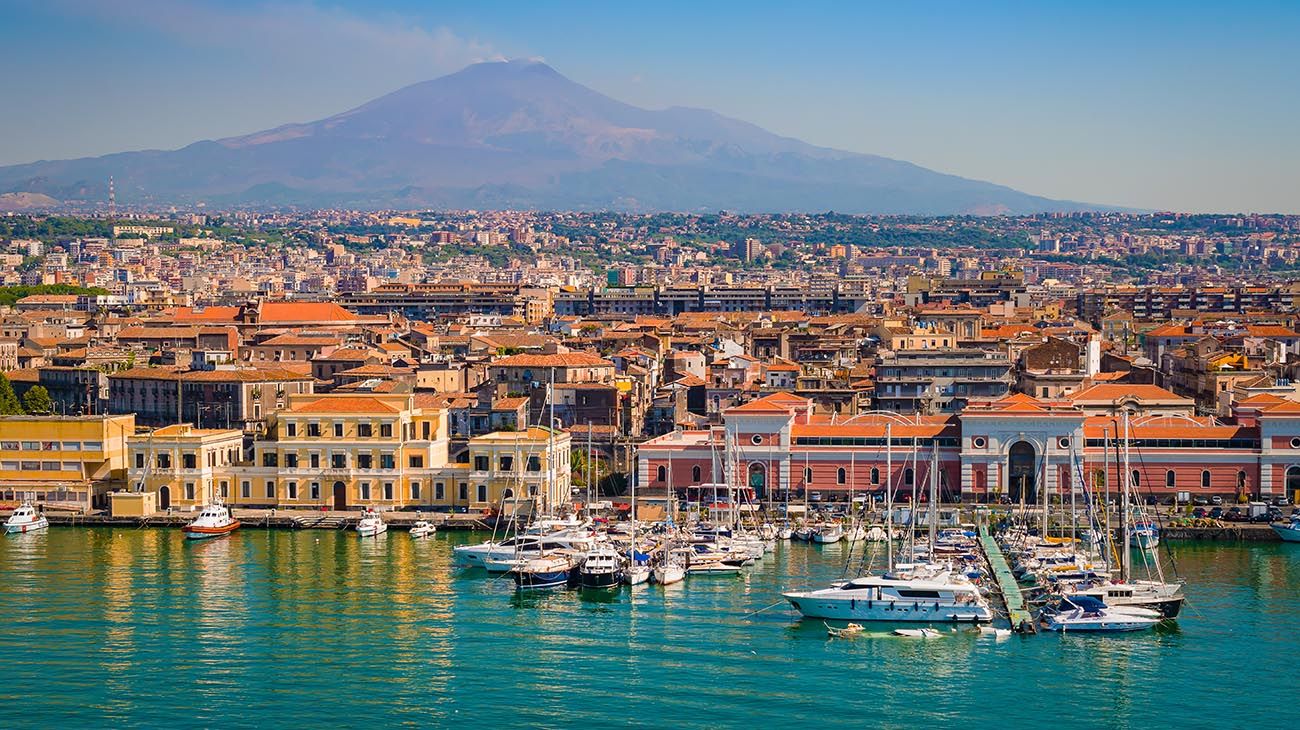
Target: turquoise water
[123, 627]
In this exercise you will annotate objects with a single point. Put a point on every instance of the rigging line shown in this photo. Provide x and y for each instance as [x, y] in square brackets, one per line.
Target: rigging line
[1173, 560]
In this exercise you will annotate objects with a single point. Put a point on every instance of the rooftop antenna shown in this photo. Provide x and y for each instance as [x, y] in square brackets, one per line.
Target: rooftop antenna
[112, 199]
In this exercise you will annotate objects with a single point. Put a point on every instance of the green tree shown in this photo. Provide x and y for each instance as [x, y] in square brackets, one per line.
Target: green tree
[36, 401]
[9, 405]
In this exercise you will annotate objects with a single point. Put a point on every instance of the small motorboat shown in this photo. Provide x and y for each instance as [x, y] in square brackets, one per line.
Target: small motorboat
[423, 529]
[713, 567]
[1086, 613]
[846, 632]
[1145, 536]
[26, 519]
[214, 520]
[1288, 531]
[371, 524]
[600, 568]
[828, 534]
[926, 633]
[548, 571]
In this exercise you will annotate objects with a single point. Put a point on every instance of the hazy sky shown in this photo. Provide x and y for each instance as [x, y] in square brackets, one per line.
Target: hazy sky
[1177, 105]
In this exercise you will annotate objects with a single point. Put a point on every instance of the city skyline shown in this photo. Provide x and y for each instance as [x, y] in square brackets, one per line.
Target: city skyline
[1111, 106]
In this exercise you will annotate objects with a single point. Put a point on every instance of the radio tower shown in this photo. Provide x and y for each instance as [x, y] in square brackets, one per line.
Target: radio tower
[112, 200]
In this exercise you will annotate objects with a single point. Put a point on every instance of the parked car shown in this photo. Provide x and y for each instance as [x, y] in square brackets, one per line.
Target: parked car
[1200, 500]
[1216, 499]
[1265, 517]
[1281, 501]
[1216, 513]
[1234, 514]
[1200, 513]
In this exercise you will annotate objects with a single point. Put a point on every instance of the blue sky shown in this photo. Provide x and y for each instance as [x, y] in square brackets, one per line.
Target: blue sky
[1185, 106]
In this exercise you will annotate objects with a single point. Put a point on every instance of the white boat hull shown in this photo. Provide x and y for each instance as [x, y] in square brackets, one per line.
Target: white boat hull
[899, 611]
[26, 527]
[371, 531]
[669, 574]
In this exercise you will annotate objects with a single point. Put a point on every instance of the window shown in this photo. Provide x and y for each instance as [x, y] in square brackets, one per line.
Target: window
[841, 476]
[270, 458]
[1169, 478]
[415, 490]
[365, 490]
[292, 489]
[1205, 479]
[270, 489]
[415, 461]
[534, 463]
[246, 489]
[10, 445]
[388, 491]
[908, 476]
[190, 461]
[72, 446]
[364, 430]
[31, 446]
[695, 474]
[661, 474]
[387, 461]
[1136, 478]
[291, 461]
[314, 460]
[482, 493]
[424, 430]
[313, 430]
[224, 489]
[807, 475]
[164, 460]
[463, 490]
[338, 430]
[875, 475]
[139, 460]
[189, 491]
[364, 461]
[507, 463]
[385, 430]
[1295, 443]
[480, 463]
[92, 445]
[339, 461]
[439, 491]
[315, 490]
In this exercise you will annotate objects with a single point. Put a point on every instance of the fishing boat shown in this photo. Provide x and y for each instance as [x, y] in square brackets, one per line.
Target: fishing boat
[423, 529]
[548, 571]
[600, 568]
[26, 519]
[214, 520]
[371, 524]
[1085, 613]
[1288, 531]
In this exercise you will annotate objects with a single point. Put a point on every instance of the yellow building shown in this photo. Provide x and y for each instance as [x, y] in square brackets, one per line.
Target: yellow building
[184, 466]
[508, 468]
[68, 460]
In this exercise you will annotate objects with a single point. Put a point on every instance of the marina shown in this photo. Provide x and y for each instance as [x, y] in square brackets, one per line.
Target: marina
[437, 635]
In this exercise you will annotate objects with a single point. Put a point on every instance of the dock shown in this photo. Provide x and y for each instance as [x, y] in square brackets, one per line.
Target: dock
[279, 519]
[1017, 611]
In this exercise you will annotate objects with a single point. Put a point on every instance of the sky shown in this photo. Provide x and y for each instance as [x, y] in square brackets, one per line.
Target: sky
[1189, 106]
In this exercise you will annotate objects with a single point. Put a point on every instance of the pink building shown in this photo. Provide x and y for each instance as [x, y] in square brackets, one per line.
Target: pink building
[993, 449]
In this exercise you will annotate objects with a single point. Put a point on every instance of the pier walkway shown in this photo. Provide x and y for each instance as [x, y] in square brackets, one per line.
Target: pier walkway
[1017, 612]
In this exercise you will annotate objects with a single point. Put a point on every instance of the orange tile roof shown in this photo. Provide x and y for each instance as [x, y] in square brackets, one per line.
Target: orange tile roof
[1109, 392]
[556, 360]
[205, 314]
[346, 404]
[304, 312]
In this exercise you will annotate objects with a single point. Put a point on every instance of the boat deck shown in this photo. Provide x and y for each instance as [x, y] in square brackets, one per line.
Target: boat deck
[1017, 611]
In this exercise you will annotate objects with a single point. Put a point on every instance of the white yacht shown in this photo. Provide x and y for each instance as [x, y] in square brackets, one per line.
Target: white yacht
[214, 520]
[371, 524]
[423, 529]
[26, 519]
[534, 541]
[1163, 598]
[1288, 531]
[600, 568]
[673, 567]
[885, 598]
[828, 534]
[1085, 613]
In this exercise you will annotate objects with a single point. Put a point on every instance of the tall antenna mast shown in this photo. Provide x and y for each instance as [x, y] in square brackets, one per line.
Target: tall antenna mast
[112, 199]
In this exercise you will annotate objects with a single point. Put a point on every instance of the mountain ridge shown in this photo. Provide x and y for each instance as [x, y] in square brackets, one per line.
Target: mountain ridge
[518, 134]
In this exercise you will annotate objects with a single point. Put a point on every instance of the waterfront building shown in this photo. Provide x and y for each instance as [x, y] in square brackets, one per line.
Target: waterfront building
[68, 460]
[184, 466]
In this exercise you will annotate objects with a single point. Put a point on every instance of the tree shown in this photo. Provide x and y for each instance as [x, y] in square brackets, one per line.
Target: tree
[9, 405]
[36, 401]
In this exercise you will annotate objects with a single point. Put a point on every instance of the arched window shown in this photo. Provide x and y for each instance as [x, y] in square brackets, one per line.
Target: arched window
[1170, 478]
[508, 493]
[875, 475]
[695, 474]
[663, 473]
[1205, 479]
[1136, 478]
[807, 475]
[908, 476]
[841, 476]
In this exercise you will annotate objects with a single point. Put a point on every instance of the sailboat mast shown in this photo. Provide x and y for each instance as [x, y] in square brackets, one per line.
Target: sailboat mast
[1126, 557]
[1047, 449]
[889, 497]
[934, 493]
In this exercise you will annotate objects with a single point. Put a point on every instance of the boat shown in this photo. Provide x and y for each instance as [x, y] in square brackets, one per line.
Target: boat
[371, 524]
[600, 568]
[846, 632]
[214, 520]
[1288, 531]
[1145, 535]
[1159, 596]
[637, 574]
[887, 598]
[672, 568]
[26, 519]
[712, 567]
[1085, 613]
[548, 571]
[926, 633]
[423, 529]
[828, 534]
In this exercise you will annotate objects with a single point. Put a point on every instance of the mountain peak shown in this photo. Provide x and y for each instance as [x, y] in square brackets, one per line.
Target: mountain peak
[518, 134]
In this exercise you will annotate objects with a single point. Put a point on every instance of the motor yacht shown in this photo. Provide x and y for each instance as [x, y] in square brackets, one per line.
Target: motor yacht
[1288, 531]
[214, 520]
[891, 598]
[423, 529]
[26, 519]
[1085, 613]
[600, 568]
[371, 524]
